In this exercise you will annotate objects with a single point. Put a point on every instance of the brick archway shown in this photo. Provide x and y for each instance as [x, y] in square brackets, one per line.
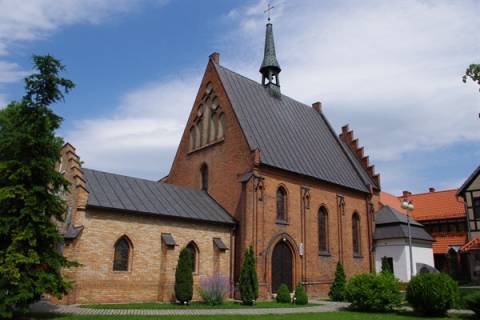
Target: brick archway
[284, 241]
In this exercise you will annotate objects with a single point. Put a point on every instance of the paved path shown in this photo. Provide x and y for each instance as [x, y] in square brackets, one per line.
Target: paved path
[325, 306]
[46, 307]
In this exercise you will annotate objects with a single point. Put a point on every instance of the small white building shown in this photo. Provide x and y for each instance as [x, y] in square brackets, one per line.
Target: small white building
[391, 243]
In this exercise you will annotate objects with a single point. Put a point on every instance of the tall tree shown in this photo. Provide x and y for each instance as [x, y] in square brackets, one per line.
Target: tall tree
[30, 264]
[473, 72]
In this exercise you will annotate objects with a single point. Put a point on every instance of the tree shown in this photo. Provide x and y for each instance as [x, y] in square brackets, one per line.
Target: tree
[386, 266]
[301, 296]
[248, 279]
[184, 277]
[472, 72]
[337, 290]
[30, 205]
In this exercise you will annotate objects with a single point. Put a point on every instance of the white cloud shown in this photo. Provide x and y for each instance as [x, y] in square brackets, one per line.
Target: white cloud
[141, 136]
[392, 69]
[29, 20]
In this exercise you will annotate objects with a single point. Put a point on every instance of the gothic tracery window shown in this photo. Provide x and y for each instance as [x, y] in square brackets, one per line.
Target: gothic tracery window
[208, 125]
[122, 254]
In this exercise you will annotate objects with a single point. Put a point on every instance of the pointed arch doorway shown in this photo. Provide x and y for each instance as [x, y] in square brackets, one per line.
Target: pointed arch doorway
[282, 266]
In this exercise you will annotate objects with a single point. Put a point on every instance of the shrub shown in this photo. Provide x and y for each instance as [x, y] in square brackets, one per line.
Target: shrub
[337, 290]
[432, 294]
[183, 277]
[386, 266]
[213, 289]
[472, 302]
[248, 279]
[283, 294]
[300, 295]
[373, 292]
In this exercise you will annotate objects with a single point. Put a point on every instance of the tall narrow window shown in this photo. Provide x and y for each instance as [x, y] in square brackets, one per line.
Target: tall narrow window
[323, 230]
[193, 250]
[281, 204]
[204, 176]
[121, 255]
[356, 234]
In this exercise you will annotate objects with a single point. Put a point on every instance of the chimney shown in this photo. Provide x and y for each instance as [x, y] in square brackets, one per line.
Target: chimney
[317, 106]
[215, 57]
[431, 189]
[406, 194]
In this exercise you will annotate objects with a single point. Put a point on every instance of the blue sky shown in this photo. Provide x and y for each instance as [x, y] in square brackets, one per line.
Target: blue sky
[390, 69]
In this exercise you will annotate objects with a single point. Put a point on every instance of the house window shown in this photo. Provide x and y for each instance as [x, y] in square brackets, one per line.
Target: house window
[356, 234]
[122, 254]
[323, 230]
[192, 247]
[476, 208]
[281, 204]
[389, 262]
[204, 176]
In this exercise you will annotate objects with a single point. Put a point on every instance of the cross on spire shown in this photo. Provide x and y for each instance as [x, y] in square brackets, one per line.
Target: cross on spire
[267, 11]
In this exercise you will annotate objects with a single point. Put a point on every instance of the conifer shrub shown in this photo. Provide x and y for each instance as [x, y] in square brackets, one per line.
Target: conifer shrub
[248, 282]
[337, 290]
[283, 294]
[184, 277]
[300, 297]
[472, 302]
[373, 292]
[432, 294]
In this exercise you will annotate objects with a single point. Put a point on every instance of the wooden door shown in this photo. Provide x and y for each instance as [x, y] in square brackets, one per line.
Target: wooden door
[282, 266]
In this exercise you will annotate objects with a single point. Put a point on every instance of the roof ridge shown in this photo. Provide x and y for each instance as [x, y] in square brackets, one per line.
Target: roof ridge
[259, 84]
[428, 192]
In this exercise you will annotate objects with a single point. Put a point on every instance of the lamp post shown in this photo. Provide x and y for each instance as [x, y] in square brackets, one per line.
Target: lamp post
[408, 206]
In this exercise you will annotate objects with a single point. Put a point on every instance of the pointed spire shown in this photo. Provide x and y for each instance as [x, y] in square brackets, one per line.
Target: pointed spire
[270, 67]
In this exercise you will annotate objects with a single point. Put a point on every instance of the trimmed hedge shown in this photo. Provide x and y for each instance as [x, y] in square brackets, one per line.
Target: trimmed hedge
[373, 292]
[184, 277]
[432, 294]
[283, 294]
[300, 295]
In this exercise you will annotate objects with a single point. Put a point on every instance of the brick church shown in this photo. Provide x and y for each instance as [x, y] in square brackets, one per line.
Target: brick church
[253, 167]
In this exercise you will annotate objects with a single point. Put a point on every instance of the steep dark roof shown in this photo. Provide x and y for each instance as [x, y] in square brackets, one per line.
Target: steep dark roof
[391, 224]
[290, 135]
[467, 182]
[113, 191]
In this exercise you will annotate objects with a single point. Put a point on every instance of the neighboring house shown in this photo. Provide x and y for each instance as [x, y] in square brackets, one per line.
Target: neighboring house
[392, 244]
[470, 192]
[442, 213]
[253, 168]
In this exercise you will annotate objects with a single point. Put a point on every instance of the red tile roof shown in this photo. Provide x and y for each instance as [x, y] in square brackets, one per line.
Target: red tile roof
[437, 205]
[472, 245]
[388, 199]
[443, 242]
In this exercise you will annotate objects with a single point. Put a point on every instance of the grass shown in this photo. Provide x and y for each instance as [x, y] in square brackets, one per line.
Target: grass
[463, 293]
[195, 305]
[340, 315]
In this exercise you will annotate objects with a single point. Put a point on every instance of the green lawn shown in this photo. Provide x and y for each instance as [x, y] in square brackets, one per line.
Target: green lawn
[341, 315]
[195, 305]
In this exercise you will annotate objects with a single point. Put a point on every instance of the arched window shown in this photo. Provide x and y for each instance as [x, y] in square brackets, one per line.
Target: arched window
[204, 176]
[323, 230]
[220, 126]
[281, 204]
[122, 254]
[192, 247]
[356, 234]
